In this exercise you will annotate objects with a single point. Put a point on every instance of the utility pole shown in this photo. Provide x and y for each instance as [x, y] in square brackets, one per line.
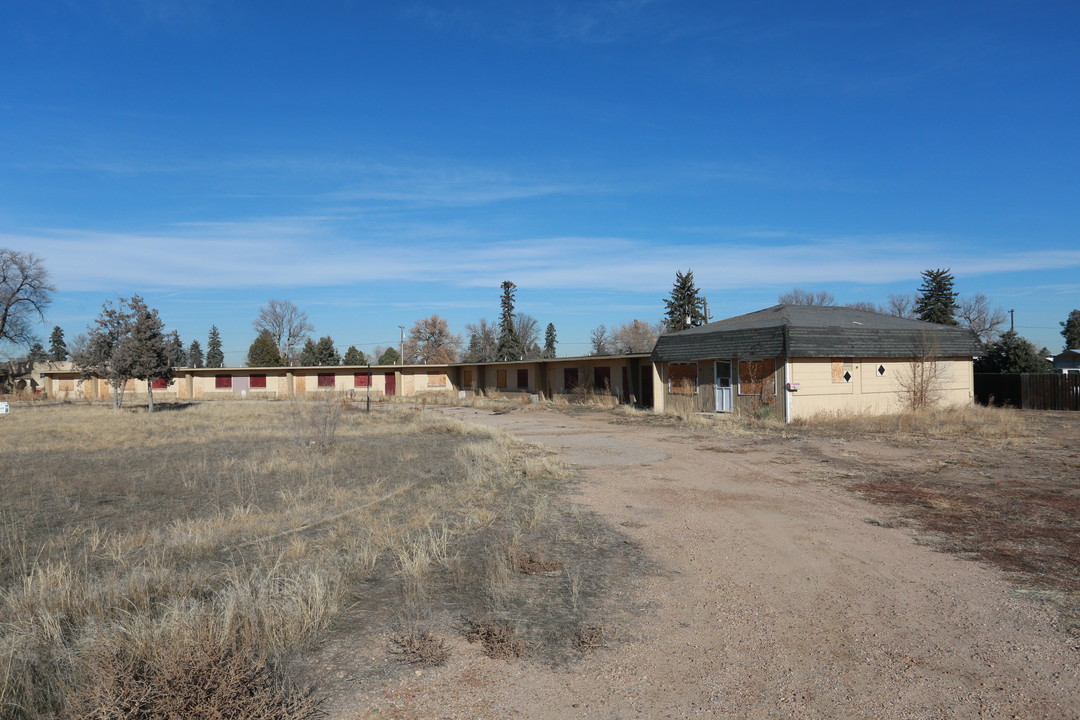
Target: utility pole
[401, 349]
[1012, 320]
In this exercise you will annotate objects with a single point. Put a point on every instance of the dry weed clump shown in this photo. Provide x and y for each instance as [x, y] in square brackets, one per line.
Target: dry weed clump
[531, 562]
[957, 422]
[419, 646]
[589, 638]
[499, 638]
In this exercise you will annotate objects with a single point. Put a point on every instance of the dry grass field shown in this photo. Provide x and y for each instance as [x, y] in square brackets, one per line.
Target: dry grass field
[185, 563]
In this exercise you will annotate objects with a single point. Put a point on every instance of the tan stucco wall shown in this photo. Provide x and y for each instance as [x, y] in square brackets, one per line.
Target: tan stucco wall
[869, 392]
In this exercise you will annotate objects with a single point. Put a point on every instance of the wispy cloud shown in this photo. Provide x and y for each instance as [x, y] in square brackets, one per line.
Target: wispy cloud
[321, 252]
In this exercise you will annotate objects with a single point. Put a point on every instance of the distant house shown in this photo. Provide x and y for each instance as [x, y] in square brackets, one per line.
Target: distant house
[1067, 363]
[796, 361]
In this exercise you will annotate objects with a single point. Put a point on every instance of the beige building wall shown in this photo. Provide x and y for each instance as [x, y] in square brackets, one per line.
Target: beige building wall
[872, 385]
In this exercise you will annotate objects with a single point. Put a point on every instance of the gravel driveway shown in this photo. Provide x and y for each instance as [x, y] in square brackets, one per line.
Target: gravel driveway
[777, 597]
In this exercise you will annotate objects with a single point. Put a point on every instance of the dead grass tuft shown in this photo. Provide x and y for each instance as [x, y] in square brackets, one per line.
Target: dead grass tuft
[972, 421]
[589, 638]
[531, 562]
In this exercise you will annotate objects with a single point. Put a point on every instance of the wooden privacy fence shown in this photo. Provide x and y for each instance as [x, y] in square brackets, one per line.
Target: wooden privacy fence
[1029, 391]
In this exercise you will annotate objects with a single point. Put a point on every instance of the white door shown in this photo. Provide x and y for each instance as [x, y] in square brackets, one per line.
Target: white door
[723, 386]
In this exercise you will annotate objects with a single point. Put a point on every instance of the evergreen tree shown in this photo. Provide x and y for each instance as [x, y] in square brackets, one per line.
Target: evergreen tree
[99, 356]
[36, 354]
[145, 350]
[937, 301]
[354, 357]
[177, 355]
[319, 353]
[685, 307]
[1012, 354]
[1070, 330]
[549, 342]
[390, 356]
[194, 355]
[509, 342]
[264, 352]
[215, 358]
[57, 348]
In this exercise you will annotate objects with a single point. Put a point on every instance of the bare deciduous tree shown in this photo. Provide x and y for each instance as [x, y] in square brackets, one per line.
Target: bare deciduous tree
[636, 336]
[901, 305]
[864, 305]
[25, 292]
[601, 342]
[798, 296]
[430, 342]
[287, 324]
[976, 313]
[483, 341]
[528, 332]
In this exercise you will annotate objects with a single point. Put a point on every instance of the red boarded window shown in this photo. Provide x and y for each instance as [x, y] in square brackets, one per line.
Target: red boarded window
[159, 384]
[523, 378]
[326, 379]
[223, 381]
[362, 380]
[258, 381]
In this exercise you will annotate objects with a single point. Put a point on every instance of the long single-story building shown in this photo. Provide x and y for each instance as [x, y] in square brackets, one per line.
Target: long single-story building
[792, 361]
[796, 361]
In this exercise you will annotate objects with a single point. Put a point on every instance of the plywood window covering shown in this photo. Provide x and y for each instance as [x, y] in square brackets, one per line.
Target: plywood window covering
[326, 379]
[523, 378]
[466, 377]
[362, 379]
[570, 378]
[841, 371]
[682, 378]
[500, 379]
[435, 379]
[258, 381]
[223, 381]
[756, 377]
[159, 384]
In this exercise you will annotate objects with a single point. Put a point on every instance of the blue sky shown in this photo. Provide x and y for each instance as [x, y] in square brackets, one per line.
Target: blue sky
[379, 162]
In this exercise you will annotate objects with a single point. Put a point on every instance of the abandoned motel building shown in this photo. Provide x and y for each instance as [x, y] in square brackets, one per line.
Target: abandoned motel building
[797, 360]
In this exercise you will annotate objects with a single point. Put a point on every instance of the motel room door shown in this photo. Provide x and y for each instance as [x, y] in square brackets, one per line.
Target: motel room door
[723, 386]
[390, 380]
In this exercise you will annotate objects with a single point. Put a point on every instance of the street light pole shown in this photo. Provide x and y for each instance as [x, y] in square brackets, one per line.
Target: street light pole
[401, 350]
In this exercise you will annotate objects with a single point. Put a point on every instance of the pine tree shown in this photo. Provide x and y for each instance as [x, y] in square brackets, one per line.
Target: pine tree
[57, 348]
[509, 342]
[390, 356]
[145, 350]
[354, 357]
[1070, 330]
[177, 355]
[319, 353]
[36, 354]
[215, 358]
[1012, 354]
[194, 355]
[549, 342]
[264, 352]
[685, 307]
[937, 302]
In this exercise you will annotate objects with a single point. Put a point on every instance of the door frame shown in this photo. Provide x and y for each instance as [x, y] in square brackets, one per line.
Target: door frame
[724, 394]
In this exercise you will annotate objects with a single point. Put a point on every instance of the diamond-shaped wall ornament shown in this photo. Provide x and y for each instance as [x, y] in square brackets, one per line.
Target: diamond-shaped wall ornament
[847, 377]
[880, 370]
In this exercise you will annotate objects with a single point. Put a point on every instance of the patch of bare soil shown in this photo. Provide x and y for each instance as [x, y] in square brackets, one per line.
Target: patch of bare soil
[791, 577]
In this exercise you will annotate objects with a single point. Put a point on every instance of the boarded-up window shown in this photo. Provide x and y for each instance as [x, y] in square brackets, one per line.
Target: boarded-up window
[570, 378]
[466, 377]
[361, 379]
[682, 378]
[602, 379]
[523, 378]
[223, 381]
[435, 379]
[756, 377]
[326, 379]
[258, 381]
[159, 384]
[841, 371]
[500, 379]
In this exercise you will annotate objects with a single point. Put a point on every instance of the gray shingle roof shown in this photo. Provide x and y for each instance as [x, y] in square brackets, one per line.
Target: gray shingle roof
[816, 331]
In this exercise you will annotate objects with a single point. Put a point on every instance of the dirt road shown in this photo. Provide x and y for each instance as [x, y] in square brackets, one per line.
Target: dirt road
[777, 596]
